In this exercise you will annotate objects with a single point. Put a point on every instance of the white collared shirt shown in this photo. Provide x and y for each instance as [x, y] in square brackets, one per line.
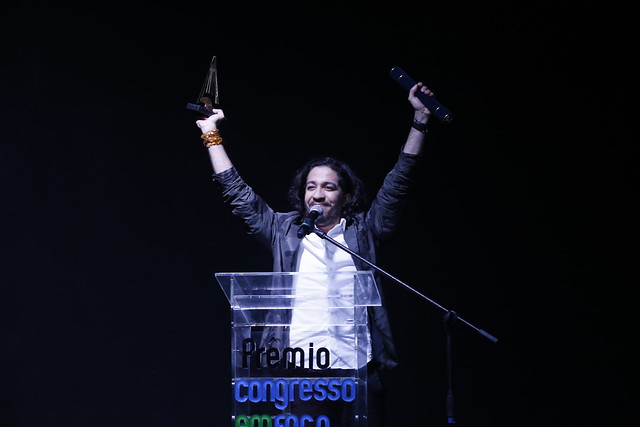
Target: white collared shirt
[313, 321]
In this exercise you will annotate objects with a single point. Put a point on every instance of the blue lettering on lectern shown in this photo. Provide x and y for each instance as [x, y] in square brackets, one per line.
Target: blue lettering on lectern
[280, 391]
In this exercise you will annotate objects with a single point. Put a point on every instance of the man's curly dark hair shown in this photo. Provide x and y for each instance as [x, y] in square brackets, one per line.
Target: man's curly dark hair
[348, 181]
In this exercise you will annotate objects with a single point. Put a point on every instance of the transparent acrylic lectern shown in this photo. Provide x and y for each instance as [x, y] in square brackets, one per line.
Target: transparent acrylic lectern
[299, 347]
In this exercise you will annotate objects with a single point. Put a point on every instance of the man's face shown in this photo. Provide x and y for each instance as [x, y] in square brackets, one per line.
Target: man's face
[322, 189]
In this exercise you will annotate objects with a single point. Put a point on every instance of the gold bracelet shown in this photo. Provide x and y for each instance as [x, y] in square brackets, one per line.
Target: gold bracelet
[211, 138]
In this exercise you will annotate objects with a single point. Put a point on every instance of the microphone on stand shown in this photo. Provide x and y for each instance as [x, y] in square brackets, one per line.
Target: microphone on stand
[307, 224]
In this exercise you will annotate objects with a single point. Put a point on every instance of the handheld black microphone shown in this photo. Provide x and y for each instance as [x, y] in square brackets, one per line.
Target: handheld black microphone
[438, 110]
[307, 224]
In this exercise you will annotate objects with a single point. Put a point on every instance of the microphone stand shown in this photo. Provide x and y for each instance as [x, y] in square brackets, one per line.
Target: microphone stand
[450, 318]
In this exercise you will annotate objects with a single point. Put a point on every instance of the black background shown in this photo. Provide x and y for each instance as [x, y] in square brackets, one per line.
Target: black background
[524, 219]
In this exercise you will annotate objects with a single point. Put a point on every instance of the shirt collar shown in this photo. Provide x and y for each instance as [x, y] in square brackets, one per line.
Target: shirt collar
[338, 228]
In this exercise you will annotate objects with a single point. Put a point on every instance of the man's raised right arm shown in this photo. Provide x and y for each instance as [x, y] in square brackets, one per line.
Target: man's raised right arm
[220, 161]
